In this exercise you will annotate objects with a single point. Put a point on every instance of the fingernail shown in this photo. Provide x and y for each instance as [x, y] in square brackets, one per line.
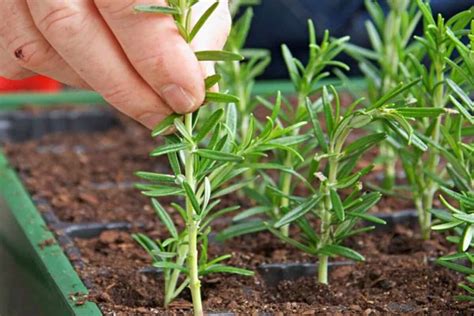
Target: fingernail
[150, 120]
[178, 98]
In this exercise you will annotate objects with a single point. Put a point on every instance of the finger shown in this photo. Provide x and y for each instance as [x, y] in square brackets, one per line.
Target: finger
[81, 37]
[10, 69]
[24, 43]
[157, 51]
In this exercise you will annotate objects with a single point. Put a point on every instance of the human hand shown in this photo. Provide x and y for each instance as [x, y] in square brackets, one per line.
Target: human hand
[139, 63]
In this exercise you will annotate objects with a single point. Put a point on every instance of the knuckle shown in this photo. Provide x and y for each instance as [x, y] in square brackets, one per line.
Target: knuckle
[117, 95]
[62, 19]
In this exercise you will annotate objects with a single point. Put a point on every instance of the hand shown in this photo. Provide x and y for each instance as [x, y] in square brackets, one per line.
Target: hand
[138, 62]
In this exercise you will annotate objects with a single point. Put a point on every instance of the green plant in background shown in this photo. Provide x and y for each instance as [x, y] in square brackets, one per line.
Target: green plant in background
[289, 163]
[333, 168]
[391, 39]
[440, 79]
[459, 156]
[460, 218]
[205, 157]
[238, 77]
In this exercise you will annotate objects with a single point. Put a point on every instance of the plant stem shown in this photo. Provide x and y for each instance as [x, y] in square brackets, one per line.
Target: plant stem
[433, 157]
[326, 220]
[390, 69]
[192, 260]
[323, 269]
[286, 177]
[170, 292]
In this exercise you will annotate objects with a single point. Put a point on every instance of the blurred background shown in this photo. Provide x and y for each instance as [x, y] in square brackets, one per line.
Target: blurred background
[284, 21]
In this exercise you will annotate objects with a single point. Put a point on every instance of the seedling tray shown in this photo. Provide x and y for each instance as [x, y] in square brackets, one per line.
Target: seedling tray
[35, 264]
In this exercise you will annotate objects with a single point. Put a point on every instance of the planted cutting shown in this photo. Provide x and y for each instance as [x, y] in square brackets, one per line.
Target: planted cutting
[390, 36]
[289, 164]
[204, 156]
[337, 200]
[442, 78]
[458, 192]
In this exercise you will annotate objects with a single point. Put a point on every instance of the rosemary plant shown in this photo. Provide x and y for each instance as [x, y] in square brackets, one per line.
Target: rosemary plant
[458, 133]
[239, 76]
[333, 169]
[204, 156]
[460, 219]
[289, 163]
[390, 36]
[443, 75]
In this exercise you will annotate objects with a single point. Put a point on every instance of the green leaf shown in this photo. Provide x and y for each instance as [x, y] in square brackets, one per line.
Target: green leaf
[291, 241]
[148, 244]
[368, 218]
[364, 203]
[218, 97]
[318, 132]
[163, 191]
[328, 111]
[417, 112]
[468, 201]
[156, 177]
[192, 197]
[218, 55]
[298, 212]
[469, 218]
[218, 155]
[466, 237]
[414, 139]
[231, 119]
[241, 229]
[170, 265]
[232, 188]
[464, 112]
[337, 204]
[446, 226]
[455, 267]
[164, 125]
[165, 218]
[364, 143]
[178, 123]
[290, 65]
[220, 268]
[251, 212]
[202, 20]
[461, 94]
[211, 81]
[393, 93]
[168, 148]
[145, 8]
[209, 125]
[336, 250]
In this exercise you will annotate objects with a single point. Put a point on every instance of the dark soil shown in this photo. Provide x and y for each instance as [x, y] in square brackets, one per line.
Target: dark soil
[396, 279]
[89, 178]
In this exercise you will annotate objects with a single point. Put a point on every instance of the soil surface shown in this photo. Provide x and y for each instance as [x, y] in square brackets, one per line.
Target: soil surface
[397, 278]
[89, 177]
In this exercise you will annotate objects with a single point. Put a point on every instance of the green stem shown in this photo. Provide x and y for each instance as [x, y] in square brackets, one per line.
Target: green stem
[170, 292]
[326, 220]
[389, 163]
[192, 260]
[286, 177]
[433, 157]
[323, 269]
